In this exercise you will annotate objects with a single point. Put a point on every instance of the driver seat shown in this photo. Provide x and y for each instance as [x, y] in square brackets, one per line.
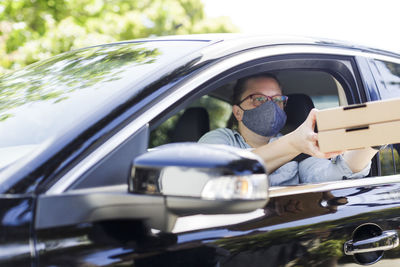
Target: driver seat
[297, 109]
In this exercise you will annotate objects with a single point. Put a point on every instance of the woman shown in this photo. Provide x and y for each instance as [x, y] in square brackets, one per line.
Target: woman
[258, 109]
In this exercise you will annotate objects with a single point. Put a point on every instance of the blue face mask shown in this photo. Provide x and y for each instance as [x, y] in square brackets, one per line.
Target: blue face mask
[265, 120]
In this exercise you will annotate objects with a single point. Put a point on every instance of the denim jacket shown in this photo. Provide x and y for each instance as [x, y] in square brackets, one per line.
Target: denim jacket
[310, 170]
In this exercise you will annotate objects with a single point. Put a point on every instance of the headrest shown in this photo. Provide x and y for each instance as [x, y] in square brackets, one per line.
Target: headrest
[297, 109]
[191, 125]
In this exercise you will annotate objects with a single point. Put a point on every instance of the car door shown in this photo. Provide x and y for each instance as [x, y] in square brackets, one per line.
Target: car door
[301, 225]
[16, 215]
[309, 224]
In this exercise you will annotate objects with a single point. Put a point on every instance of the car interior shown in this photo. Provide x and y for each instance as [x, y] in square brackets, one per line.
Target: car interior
[305, 89]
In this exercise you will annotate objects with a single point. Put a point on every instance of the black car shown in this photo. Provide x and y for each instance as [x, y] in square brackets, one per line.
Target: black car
[99, 164]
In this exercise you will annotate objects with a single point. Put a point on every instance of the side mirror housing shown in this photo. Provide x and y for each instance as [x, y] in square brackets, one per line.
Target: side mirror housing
[200, 178]
[166, 183]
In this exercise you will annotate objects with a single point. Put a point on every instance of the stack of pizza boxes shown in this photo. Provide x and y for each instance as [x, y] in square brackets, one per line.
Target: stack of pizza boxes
[359, 126]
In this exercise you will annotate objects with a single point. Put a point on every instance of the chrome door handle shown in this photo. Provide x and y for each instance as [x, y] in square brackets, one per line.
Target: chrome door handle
[386, 241]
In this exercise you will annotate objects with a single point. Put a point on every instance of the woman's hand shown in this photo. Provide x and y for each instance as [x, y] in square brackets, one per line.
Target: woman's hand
[286, 148]
[305, 140]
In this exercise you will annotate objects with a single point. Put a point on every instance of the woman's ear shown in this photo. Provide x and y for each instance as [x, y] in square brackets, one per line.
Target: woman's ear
[237, 112]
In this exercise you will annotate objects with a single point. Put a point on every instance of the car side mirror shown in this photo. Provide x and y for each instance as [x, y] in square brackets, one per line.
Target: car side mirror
[166, 183]
[202, 178]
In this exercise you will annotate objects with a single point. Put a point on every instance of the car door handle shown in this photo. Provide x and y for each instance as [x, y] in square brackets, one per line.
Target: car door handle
[386, 241]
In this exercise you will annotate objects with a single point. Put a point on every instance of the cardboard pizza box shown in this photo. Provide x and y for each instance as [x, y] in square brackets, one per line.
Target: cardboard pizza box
[359, 126]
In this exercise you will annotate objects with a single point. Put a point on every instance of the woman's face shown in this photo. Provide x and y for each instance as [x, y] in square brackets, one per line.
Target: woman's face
[258, 91]
[262, 86]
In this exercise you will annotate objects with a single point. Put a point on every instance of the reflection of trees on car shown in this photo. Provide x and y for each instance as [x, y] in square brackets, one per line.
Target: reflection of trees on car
[288, 246]
[56, 78]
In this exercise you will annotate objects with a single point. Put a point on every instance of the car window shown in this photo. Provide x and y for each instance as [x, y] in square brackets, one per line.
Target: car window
[218, 112]
[322, 88]
[389, 160]
[389, 84]
[389, 87]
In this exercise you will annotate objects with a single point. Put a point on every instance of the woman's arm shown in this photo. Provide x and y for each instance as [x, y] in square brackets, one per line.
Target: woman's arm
[317, 170]
[301, 140]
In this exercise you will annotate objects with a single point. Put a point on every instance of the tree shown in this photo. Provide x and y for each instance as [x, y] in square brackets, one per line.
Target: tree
[31, 30]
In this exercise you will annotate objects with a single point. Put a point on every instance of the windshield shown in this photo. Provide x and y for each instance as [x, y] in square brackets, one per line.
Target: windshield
[40, 102]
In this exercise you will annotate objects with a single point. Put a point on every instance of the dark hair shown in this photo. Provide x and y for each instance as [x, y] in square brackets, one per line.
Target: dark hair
[240, 86]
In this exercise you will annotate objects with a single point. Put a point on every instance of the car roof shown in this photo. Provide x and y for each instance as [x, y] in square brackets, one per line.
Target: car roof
[240, 41]
[223, 44]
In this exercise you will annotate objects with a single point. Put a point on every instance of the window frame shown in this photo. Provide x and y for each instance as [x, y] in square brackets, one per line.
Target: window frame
[317, 62]
[341, 68]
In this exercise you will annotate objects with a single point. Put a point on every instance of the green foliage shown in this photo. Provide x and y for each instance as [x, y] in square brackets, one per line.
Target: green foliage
[386, 159]
[163, 134]
[31, 30]
[218, 110]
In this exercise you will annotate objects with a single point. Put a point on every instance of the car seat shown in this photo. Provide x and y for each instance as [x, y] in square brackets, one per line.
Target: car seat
[191, 125]
[297, 109]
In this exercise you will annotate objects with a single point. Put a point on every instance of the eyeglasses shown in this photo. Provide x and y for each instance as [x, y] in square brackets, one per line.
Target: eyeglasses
[259, 99]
